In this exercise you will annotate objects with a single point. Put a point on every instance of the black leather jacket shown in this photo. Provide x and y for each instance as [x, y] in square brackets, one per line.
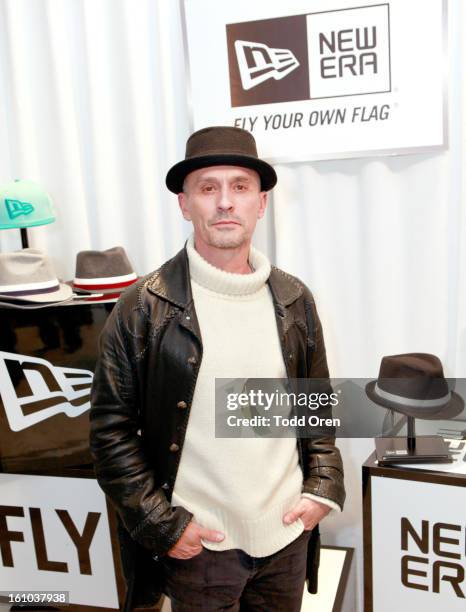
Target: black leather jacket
[150, 354]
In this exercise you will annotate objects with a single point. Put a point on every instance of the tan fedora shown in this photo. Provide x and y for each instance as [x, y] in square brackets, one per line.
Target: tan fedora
[28, 279]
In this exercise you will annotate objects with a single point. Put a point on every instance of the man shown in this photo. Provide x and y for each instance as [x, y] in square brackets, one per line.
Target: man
[214, 523]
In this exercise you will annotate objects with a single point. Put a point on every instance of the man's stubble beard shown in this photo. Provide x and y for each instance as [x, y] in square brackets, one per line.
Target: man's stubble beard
[227, 241]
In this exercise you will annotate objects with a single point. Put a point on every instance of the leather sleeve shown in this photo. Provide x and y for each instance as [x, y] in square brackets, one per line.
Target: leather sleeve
[324, 476]
[120, 464]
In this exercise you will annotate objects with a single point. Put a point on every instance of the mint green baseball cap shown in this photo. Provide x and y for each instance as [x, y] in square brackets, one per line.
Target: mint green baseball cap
[24, 204]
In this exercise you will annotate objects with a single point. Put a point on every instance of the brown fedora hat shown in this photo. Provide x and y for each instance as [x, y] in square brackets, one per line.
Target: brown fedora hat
[414, 384]
[218, 146]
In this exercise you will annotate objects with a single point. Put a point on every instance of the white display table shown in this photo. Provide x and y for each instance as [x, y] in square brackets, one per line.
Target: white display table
[415, 535]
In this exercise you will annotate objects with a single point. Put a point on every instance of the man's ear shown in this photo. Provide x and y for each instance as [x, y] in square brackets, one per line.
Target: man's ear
[264, 198]
[182, 202]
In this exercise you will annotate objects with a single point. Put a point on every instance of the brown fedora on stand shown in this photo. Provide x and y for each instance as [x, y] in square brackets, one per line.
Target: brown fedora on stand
[220, 146]
[413, 384]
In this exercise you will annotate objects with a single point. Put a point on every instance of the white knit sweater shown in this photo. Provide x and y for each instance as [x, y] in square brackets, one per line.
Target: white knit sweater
[240, 486]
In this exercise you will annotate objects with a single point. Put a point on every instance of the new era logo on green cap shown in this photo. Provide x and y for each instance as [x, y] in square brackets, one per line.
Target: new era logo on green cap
[24, 203]
[15, 208]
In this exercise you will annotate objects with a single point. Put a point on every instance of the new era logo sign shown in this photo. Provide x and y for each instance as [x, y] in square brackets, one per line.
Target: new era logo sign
[15, 208]
[320, 55]
[258, 62]
[32, 390]
[268, 63]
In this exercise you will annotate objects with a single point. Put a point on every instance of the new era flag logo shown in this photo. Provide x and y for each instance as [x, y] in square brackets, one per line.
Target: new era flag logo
[258, 62]
[266, 63]
[15, 208]
[32, 390]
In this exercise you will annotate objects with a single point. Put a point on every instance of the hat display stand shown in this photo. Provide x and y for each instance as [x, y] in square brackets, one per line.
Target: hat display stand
[24, 237]
[28, 280]
[412, 449]
[414, 385]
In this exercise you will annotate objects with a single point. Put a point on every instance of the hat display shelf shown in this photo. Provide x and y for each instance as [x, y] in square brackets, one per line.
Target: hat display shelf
[28, 278]
[24, 204]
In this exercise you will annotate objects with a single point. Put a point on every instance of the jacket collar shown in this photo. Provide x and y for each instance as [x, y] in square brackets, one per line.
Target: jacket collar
[285, 288]
[172, 282]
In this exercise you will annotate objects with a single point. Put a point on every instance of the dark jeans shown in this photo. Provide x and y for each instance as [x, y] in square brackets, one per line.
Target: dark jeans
[233, 580]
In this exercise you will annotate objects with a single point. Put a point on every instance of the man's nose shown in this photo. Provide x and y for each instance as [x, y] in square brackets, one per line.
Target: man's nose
[225, 201]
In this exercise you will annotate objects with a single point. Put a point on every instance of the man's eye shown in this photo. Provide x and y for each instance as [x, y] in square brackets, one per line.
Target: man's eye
[208, 188]
[240, 187]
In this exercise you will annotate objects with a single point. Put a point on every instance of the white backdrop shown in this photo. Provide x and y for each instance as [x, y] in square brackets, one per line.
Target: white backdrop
[94, 105]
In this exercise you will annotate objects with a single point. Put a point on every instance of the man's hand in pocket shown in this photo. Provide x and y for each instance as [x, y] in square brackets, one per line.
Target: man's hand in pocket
[189, 545]
[309, 511]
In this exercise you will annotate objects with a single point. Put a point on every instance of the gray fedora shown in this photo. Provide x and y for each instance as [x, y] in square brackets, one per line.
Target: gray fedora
[219, 146]
[28, 278]
[108, 271]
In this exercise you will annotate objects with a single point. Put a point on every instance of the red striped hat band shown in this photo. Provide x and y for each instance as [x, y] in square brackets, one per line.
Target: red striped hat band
[111, 282]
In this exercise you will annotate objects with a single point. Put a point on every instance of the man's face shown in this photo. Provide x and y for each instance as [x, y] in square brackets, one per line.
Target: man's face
[224, 204]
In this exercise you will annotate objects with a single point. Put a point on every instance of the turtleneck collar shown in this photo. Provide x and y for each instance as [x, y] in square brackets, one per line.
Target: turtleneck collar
[215, 279]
